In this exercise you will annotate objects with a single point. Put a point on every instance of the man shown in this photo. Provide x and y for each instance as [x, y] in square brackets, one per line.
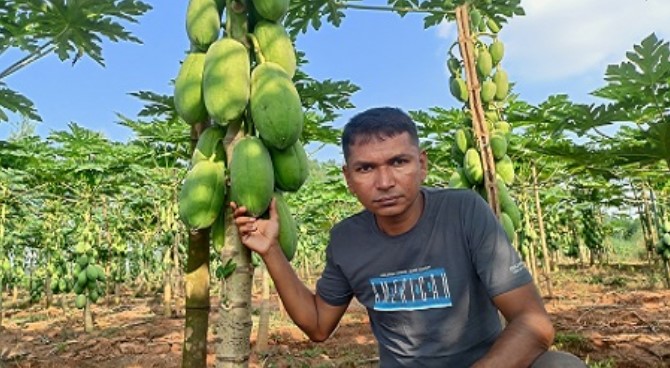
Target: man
[432, 266]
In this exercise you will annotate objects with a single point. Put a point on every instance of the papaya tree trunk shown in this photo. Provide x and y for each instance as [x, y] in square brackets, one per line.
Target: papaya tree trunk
[15, 293]
[117, 293]
[2, 293]
[88, 317]
[47, 283]
[666, 267]
[167, 284]
[196, 283]
[233, 329]
[479, 126]
[264, 316]
[543, 238]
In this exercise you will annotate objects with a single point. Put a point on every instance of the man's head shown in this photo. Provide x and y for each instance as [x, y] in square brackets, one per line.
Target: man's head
[377, 123]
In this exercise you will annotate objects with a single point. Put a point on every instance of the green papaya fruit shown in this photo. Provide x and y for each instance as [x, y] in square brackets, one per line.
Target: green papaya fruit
[505, 128]
[203, 23]
[100, 273]
[80, 301]
[508, 226]
[288, 232]
[475, 19]
[82, 261]
[54, 285]
[492, 25]
[484, 63]
[226, 81]
[512, 210]
[458, 179]
[458, 88]
[454, 66]
[505, 168]
[666, 226]
[497, 51]
[502, 84]
[91, 272]
[290, 166]
[93, 295]
[272, 10]
[276, 45]
[188, 98]
[491, 116]
[275, 106]
[217, 234]
[488, 91]
[210, 144]
[472, 167]
[463, 140]
[251, 176]
[202, 194]
[666, 239]
[498, 145]
[82, 279]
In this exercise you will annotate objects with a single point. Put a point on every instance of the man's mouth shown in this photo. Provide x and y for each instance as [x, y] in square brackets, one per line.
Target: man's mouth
[387, 200]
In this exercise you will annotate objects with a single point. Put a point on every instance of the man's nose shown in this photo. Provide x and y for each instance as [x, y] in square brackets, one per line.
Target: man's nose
[385, 178]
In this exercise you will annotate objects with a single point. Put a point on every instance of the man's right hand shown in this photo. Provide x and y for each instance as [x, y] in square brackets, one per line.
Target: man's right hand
[255, 233]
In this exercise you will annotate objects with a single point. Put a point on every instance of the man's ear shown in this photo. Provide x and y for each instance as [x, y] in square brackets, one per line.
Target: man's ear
[423, 162]
[345, 172]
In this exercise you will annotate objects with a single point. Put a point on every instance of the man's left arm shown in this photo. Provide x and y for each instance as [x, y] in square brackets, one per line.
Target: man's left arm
[529, 331]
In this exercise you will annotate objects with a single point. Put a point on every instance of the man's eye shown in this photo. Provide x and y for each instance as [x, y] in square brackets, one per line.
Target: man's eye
[399, 161]
[363, 168]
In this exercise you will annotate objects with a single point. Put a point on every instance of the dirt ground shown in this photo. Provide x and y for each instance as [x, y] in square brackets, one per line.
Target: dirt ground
[608, 316]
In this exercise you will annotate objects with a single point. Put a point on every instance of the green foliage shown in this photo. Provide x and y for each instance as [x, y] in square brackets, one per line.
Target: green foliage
[69, 28]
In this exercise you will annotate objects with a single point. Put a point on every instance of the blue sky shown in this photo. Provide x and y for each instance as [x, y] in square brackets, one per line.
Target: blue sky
[558, 47]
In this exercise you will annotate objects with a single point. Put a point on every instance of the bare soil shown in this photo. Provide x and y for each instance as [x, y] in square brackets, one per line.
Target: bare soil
[610, 316]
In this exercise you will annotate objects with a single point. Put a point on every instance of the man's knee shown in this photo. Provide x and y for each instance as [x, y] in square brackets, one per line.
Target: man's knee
[558, 359]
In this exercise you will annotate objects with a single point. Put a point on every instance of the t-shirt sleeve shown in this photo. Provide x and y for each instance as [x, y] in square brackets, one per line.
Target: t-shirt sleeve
[333, 286]
[497, 263]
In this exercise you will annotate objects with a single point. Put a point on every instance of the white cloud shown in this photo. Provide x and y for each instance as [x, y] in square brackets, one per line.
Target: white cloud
[559, 39]
[569, 38]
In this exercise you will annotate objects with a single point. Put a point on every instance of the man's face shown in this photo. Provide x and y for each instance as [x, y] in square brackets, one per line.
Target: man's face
[386, 174]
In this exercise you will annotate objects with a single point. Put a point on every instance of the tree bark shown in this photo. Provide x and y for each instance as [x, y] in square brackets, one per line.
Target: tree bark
[194, 354]
[264, 318]
[2, 293]
[233, 329]
[167, 284]
[88, 317]
[543, 238]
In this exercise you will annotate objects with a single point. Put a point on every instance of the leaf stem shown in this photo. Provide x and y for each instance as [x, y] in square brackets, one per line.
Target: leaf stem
[41, 52]
[340, 4]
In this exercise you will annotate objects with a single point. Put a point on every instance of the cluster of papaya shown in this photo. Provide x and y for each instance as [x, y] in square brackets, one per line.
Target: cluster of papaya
[59, 279]
[663, 246]
[592, 231]
[223, 81]
[494, 82]
[470, 171]
[86, 276]
[494, 90]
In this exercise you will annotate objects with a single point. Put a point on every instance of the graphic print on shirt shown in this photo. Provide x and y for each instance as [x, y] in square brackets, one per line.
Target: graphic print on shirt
[416, 289]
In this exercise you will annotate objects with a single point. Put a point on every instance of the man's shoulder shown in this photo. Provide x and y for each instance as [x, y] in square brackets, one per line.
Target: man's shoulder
[457, 194]
[356, 221]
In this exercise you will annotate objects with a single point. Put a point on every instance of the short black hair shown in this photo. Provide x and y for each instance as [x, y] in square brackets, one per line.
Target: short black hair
[378, 122]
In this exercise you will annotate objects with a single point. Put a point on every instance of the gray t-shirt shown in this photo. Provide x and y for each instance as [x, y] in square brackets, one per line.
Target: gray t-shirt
[428, 291]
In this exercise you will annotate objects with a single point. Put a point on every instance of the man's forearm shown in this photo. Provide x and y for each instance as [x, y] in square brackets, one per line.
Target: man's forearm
[520, 343]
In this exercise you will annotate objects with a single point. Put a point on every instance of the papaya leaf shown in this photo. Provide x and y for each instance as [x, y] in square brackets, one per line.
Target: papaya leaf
[156, 105]
[77, 27]
[303, 14]
[17, 103]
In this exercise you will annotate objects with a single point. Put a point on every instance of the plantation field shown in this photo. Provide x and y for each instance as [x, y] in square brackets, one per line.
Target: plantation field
[611, 316]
